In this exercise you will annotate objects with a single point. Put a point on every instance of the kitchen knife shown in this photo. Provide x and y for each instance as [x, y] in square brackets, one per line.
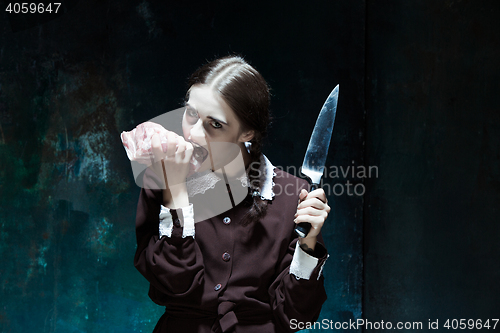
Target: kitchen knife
[317, 150]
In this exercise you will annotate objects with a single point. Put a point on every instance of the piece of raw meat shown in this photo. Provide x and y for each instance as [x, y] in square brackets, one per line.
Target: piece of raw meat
[137, 144]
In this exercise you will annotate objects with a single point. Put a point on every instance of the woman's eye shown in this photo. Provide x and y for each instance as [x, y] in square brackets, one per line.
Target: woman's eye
[192, 113]
[216, 124]
[191, 116]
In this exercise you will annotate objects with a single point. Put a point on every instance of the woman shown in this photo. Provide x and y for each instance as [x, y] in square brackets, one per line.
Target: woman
[241, 269]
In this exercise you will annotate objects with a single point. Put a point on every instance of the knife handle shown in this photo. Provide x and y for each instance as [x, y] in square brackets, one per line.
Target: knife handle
[302, 229]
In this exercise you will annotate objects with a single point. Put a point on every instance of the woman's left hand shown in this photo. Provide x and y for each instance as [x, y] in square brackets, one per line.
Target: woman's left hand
[313, 208]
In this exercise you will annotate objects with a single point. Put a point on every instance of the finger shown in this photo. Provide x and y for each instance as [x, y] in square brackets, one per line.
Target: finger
[171, 143]
[311, 218]
[311, 211]
[318, 193]
[315, 221]
[156, 147]
[181, 148]
[188, 153]
[303, 193]
[312, 202]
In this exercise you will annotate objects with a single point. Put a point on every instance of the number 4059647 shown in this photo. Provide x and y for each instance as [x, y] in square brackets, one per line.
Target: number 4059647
[470, 324]
[26, 7]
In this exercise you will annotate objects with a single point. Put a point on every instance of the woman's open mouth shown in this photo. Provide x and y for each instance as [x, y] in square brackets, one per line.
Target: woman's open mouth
[200, 154]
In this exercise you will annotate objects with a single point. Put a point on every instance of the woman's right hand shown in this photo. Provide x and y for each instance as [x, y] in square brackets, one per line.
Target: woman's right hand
[172, 167]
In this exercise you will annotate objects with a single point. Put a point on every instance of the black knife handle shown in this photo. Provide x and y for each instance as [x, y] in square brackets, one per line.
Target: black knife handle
[302, 229]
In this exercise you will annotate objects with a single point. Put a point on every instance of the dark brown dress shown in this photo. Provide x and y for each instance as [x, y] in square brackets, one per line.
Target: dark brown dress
[229, 277]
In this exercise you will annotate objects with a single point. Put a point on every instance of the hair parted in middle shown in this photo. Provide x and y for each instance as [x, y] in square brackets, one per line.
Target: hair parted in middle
[246, 92]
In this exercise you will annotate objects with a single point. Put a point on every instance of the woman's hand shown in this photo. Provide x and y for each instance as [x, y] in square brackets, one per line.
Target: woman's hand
[312, 208]
[172, 167]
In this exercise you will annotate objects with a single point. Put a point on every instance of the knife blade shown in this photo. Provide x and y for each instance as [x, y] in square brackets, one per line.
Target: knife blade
[317, 150]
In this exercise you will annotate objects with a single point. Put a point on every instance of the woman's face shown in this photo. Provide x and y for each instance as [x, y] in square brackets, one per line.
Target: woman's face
[211, 123]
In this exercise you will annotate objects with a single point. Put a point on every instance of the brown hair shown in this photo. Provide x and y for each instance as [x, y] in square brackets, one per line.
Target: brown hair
[247, 93]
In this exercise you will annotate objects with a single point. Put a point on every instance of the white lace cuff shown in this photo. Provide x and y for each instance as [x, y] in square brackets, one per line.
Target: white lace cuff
[302, 264]
[186, 221]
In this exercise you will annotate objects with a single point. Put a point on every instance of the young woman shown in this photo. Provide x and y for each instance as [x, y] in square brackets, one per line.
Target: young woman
[240, 268]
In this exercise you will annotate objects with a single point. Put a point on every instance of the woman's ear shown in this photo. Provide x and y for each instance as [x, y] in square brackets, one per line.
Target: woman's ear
[246, 136]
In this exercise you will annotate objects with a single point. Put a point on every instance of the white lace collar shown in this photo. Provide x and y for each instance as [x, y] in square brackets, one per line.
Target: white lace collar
[201, 182]
[266, 171]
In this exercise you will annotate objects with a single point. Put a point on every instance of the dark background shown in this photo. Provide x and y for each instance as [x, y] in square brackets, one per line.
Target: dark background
[431, 225]
[418, 100]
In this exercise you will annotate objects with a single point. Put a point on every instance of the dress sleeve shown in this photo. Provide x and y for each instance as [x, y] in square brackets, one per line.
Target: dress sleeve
[167, 254]
[298, 292]
[182, 217]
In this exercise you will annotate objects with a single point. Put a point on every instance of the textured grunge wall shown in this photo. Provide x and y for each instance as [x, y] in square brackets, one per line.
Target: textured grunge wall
[433, 128]
[69, 84]
[420, 244]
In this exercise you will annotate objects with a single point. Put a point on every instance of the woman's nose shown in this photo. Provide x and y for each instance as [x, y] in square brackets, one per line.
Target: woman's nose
[197, 133]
